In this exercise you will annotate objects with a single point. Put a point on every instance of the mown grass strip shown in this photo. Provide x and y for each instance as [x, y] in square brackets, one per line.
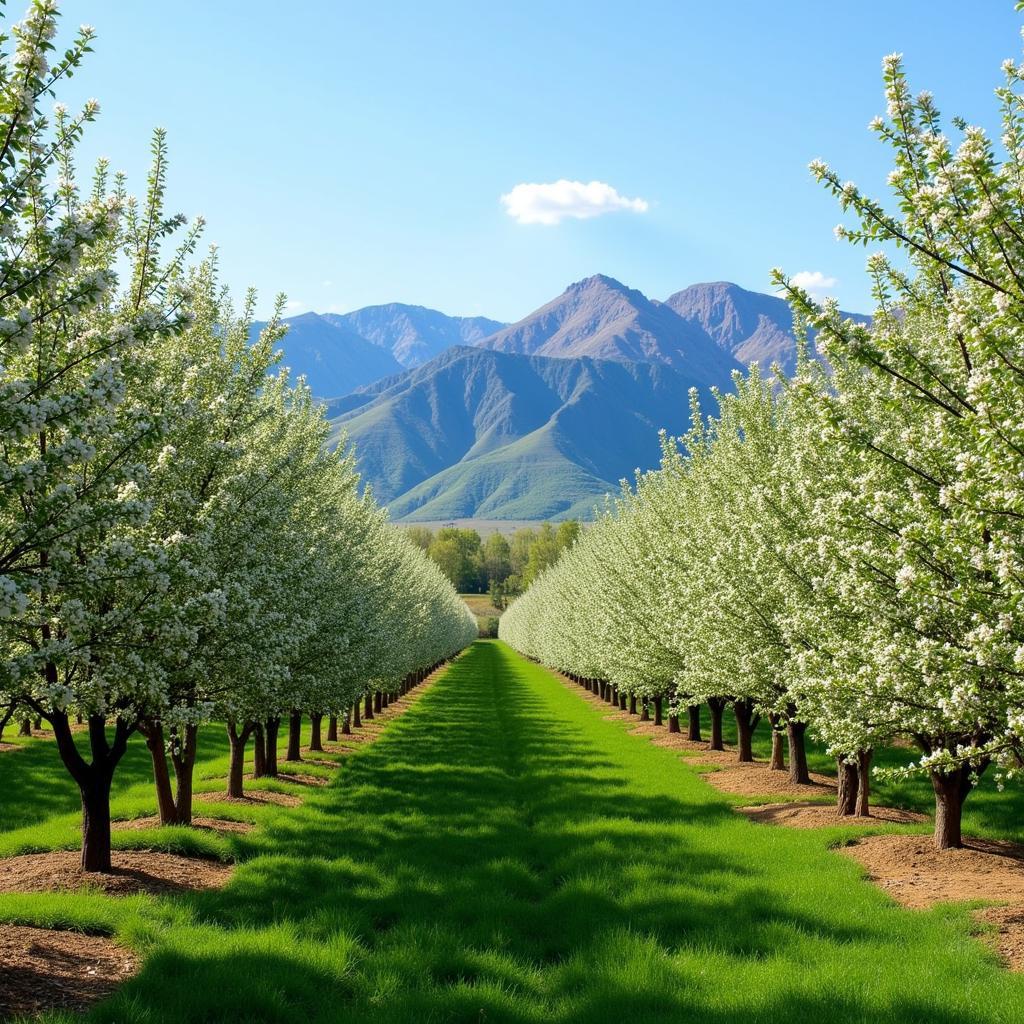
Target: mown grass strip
[503, 853]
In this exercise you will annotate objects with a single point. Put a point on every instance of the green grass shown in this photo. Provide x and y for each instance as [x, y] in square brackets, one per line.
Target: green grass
[503, 853]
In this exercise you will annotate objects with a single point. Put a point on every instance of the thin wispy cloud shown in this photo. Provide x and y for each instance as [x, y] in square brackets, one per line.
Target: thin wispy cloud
[814, 282]
[553, 202]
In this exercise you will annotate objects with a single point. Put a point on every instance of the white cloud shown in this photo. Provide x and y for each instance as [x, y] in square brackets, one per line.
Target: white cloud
[551, 203]
[814, 282]
[293, 306]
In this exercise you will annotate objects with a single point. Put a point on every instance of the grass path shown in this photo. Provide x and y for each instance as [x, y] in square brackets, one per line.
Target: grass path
[503, 853]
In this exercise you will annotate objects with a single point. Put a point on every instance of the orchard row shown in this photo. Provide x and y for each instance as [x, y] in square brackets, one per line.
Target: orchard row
[177, 543]
[843, 552]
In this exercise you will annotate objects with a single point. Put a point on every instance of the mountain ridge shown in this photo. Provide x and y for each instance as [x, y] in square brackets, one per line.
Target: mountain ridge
[479, 433]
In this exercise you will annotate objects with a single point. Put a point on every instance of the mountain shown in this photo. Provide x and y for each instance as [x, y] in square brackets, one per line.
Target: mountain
[704, 331]
[748, 325]
[415, 334]
[334, 358]
[602, 318]
[481, 433]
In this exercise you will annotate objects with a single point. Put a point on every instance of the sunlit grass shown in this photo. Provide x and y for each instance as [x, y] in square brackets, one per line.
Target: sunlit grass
[503, 853]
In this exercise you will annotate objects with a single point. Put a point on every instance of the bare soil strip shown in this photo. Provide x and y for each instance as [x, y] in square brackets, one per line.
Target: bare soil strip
[198, 821]
[42, 969]
[803, 814]
[252, 796]
[134, 871]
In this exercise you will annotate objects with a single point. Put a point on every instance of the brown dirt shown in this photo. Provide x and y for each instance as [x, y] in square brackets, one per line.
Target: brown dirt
[198, 821]
[5, 746]
[301, 779]
[134, 871]
[801, 814]
[42, 969]
[254, 796]
[298, 778]
[915, 874]
[755, 779]
[322, 762]
[1009, 937]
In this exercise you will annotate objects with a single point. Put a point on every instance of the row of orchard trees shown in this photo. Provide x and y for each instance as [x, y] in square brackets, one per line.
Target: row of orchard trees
[844, 551]
[177, 544]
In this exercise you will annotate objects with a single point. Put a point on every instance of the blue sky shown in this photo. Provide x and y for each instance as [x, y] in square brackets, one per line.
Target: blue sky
[355, 153]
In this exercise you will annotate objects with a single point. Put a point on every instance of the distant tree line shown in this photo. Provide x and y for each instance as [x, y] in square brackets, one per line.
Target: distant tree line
[496, 565]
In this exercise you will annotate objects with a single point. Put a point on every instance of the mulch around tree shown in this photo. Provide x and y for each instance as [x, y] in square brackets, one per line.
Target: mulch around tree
[42, 969]
[916, 875]
[252, 796]
[134, 871]
[803, 814]
[298, 778]
[198, 821]
[321, 762]
[5, 747]
[755, 778]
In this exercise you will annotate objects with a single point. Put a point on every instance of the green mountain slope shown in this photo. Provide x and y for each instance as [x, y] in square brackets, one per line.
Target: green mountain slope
[478, 433]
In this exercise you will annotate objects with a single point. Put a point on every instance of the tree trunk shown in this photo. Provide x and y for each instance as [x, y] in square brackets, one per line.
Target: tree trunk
[25, 729]
[368, 709]
[846, 794]
[356, 720]
[236, 766]
[376, 700]
[93, 780]
[798, 772]
[346, 722]
[645, 711]
[154, 735]
[632, 704]
[693, 725]
[745, 724]
[270, 731]
[716, 705]
[950, 793]
[864, 782]
[315, 742]
[777, 763]
[657, 710]
[5, 718]
[332, 729]
[673, 723]
[294, 752]
[96, 824]
[183, 757]
[622, 700]
[259, 752]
